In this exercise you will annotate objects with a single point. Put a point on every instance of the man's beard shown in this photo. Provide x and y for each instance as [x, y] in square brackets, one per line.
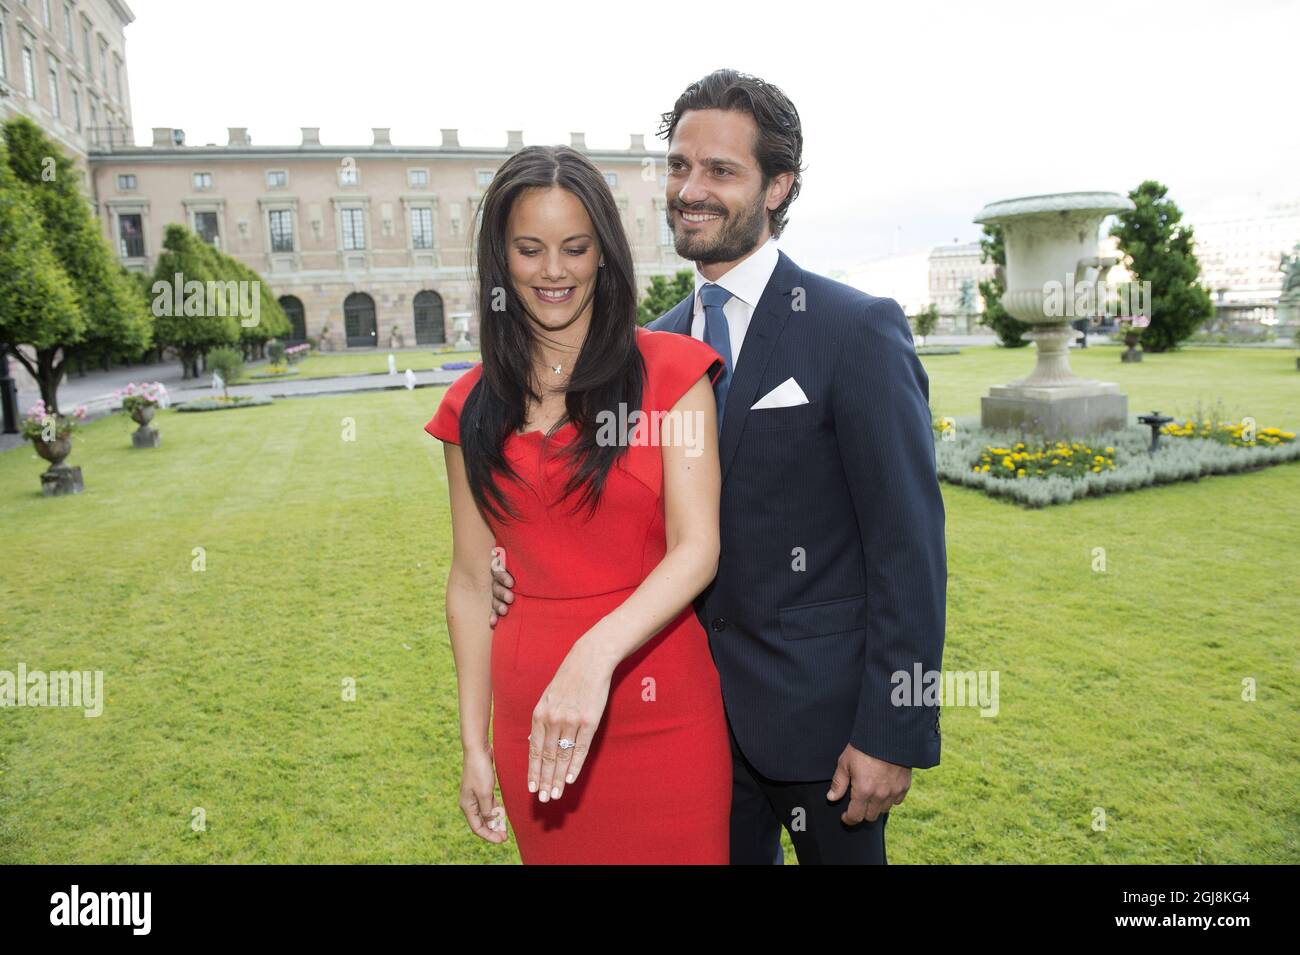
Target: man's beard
[736, 239]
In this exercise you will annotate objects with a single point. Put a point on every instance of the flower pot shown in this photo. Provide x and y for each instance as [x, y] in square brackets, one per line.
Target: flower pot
[144, 436]
[1131, 353]
[53, 451]
[143, 414]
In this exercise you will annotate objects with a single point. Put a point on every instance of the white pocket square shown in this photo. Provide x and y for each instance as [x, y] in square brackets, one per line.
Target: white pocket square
[785, 395]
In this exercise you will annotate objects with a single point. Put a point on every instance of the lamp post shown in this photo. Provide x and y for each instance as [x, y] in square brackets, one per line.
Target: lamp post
[8, 392]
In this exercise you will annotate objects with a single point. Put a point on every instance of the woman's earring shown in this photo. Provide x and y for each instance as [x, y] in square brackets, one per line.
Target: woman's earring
[602, 265]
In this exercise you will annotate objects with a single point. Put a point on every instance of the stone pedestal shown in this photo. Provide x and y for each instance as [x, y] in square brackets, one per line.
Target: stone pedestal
[145, 437]
[1054, 402]
[1057, 414]
[62, 479]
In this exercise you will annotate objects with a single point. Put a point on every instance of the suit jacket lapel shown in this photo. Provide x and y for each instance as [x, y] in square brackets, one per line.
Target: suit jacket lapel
[683, 312]
[765, 327]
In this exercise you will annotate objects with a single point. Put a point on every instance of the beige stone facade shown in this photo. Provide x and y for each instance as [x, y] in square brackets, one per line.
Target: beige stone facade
[362, 238]
[63, 64]
[952, 267]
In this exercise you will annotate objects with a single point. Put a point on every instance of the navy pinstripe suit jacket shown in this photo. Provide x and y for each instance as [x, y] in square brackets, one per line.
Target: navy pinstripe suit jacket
[845, 488]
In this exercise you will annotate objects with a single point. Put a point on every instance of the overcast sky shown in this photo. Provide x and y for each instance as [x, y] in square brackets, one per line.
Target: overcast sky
[915, 114]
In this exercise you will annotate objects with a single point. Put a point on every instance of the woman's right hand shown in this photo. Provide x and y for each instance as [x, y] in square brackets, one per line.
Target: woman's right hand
[478, 796]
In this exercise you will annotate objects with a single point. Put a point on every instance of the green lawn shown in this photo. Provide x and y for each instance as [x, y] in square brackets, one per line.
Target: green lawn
[326, 560]
[1262, 382]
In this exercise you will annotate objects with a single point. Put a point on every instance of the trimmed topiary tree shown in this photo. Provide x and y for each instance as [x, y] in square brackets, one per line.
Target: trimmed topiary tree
[38, 305]
[271, 321]
[1160, 251]
[227, 362]
[112, 321]
[184, 316]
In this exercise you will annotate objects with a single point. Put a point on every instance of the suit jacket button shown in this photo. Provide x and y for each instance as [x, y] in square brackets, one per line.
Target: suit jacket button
[719, 623]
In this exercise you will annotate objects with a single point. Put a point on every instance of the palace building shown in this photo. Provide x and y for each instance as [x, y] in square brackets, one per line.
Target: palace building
[373, 241]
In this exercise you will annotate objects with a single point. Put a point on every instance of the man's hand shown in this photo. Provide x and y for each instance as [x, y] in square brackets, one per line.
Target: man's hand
[877, 785]
[502, 596]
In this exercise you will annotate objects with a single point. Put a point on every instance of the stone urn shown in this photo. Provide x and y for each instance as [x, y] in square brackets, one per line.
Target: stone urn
[145, 436]
[1131, 353]
[1051, 245]
[53, 451]
[460, 328]
[58, 478]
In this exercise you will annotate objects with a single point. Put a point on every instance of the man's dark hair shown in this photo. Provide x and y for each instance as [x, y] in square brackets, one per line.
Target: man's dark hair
[779, 147]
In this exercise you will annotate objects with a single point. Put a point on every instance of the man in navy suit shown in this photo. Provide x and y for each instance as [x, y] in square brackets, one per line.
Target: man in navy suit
[828, 606]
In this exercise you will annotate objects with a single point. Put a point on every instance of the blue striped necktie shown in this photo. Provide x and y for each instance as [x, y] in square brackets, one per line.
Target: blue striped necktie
[718, 337]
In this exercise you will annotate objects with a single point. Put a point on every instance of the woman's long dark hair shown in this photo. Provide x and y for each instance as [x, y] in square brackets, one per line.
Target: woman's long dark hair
[609, 371]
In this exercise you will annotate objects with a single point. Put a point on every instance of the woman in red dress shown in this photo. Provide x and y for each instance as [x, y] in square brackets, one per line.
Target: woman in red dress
[582, 453]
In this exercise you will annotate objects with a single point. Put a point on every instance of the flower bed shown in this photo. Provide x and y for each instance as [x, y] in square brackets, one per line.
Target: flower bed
[224, 404]
[1068, 460]
[1238, 434]
[1035, 473]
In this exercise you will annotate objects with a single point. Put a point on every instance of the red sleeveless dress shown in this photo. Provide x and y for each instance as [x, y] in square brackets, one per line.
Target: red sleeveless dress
[656, 785]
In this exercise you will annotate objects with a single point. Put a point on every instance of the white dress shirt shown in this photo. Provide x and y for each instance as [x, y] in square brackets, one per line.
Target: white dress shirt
[746, 281]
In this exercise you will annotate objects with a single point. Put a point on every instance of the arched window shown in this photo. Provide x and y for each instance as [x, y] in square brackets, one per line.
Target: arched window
[292, 306]
[359, 321]
[429, 326]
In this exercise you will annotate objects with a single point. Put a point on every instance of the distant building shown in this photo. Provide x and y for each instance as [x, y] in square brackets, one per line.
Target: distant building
[951, 270]
[369, 239]
[63, 64]
[1239, 251]
[362, 238]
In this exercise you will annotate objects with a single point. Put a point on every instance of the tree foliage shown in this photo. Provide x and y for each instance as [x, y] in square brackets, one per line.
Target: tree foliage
[663, 294]
[1160, 251]
[1010, 331]
[113, 321]
[38, 305]
[191, 326]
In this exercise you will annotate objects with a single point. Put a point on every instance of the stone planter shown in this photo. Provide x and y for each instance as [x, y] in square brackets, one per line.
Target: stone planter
[1051, 241]
[1131, 353]
[58, 478]
[145, 436]
[53, 451]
